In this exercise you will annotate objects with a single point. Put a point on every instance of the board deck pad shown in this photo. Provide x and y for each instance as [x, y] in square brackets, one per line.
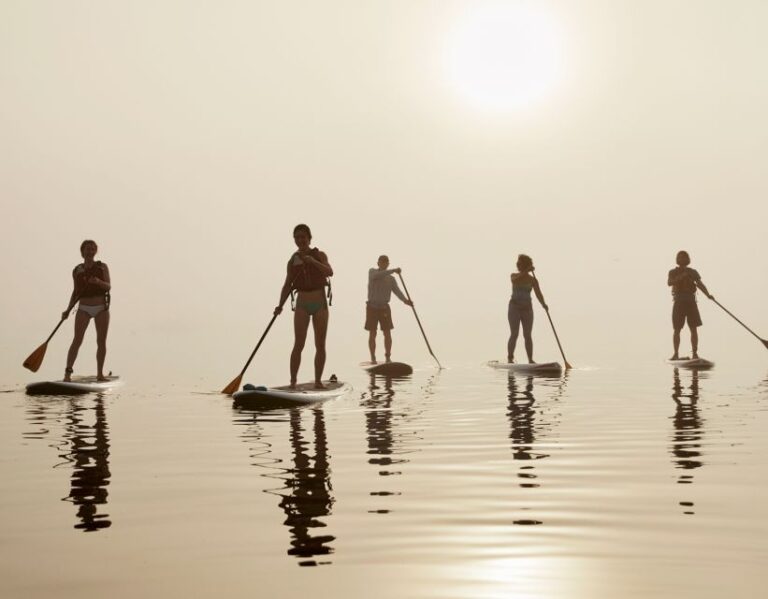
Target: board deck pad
[304, 393]
[393, 369]
[79, 385]
[547, 367]
[698, 363]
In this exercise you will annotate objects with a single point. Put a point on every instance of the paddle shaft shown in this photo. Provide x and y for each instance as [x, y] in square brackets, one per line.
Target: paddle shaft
[258, 345]
[727, 311]
[408, 295]
[554, 330]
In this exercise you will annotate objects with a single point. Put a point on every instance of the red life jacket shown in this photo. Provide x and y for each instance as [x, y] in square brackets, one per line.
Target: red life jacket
[307, 277]
[85, 289]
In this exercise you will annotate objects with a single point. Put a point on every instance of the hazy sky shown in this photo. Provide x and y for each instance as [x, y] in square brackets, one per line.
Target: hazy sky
[189, 137]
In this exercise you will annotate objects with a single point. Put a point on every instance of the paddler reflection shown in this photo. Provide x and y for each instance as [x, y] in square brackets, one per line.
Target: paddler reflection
[526, 423]
[686, 439]
[306, 497]
[86, 447]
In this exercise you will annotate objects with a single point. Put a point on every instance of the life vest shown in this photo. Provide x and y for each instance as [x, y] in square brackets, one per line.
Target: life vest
[83, 288]
[307, 277]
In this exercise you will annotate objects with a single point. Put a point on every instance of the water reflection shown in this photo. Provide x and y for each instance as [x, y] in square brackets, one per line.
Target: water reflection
[85, 445]
[687, 436]
[526, 423]
[307, 495]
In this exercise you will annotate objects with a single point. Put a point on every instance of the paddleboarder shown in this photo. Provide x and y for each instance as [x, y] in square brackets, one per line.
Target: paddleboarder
[91, 288]
[520, 310]
[307, 274]
[684, 281]
[381, 286]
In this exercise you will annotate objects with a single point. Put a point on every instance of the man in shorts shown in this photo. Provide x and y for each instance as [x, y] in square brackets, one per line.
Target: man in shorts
[381, 286]
[684, 282]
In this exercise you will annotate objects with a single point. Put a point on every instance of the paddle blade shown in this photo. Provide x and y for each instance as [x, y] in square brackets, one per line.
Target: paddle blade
[765, 343]
[233, 386]
[35, 359]
[567, 365]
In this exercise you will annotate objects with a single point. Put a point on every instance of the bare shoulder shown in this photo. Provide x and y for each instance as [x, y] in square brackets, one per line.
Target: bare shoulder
[322, 256]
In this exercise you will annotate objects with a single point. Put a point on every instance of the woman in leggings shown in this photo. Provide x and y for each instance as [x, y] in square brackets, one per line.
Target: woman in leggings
[521, 307]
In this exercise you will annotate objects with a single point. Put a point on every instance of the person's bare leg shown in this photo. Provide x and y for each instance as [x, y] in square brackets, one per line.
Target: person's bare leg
[387, 345]
[372, 344]
[81, 324]
[676, 344]
[527, 321]
[320, 326]
[101, 320]
[300, 327]
[694, 343]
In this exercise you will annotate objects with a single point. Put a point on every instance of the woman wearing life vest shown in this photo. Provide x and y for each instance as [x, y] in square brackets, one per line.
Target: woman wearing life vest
[91, 289]
[308, 272]
[521, 307]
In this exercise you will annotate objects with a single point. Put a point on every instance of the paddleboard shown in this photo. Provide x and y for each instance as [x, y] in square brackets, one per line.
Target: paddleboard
[699, 363]
[302, 394]
[77, 386]
[393, 369]
[547, 367]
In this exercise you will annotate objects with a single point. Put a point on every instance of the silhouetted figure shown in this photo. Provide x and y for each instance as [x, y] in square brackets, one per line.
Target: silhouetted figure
[520, 309]
[309, 490]
[684, 282]
[92, 285]
[308, 274]
[686, 441]
[381, 286]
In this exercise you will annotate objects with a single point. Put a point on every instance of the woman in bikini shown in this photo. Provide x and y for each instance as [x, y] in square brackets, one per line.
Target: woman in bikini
[521, 307]
[91, 289]
[308, 272]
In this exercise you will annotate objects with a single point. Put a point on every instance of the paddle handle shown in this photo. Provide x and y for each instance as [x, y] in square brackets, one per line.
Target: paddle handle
[61, 322]
[418, 320]
[737, 320]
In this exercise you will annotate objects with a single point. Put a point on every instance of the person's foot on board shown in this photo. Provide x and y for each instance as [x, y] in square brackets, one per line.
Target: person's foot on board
[695, 356]
[510, 359]
[388, 359]
[675, 357]
[292, 385]
[319, 385]
[101, 378]
[68, 375]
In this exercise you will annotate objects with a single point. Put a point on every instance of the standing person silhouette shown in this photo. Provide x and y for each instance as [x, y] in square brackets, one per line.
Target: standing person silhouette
[684, 281]
[92, 284]
[308, 272]
[520, 309]
[381, 286]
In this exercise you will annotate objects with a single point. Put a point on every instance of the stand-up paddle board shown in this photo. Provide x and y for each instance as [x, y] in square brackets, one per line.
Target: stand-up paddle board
[546, 367]
[699, 363]
[393, 369]
[77, 386]
[301, 394]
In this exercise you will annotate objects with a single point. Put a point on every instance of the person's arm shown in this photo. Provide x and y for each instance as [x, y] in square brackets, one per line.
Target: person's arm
[700, 284]
[539, 296]
[285, 291]
[377, 273]
[74, 296]
[104, 284]
[677, 275]
[322, 264]
[398, 293]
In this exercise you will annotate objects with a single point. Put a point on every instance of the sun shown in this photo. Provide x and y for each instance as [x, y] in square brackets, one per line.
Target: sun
[504, 55]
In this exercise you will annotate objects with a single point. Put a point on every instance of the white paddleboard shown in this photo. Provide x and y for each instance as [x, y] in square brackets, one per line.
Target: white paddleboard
[699, 363]
[302, 394]
[77, 386]
[387, 368]
[547, 367]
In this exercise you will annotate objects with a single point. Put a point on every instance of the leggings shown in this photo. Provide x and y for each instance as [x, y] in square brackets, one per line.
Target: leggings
[520, 313]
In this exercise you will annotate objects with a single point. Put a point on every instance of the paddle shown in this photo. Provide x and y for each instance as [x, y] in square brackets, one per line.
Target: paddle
[235, 384]
[35, 359]
[552, 324]
[763, 341]
[429, 347]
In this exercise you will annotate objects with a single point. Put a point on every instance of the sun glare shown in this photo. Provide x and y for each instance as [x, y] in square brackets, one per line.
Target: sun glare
[504, 55]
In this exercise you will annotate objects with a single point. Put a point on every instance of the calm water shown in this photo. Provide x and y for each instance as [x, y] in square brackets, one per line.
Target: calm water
[464, 483]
